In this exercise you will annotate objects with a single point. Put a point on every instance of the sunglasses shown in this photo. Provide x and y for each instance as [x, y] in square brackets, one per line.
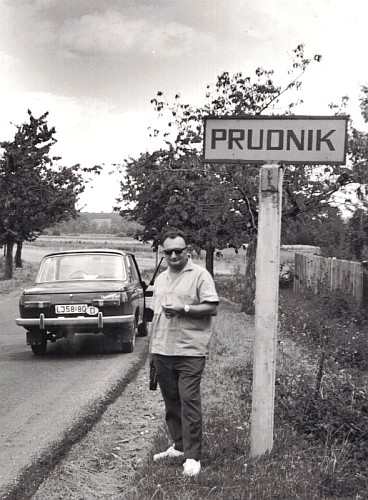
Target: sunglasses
[177, 251]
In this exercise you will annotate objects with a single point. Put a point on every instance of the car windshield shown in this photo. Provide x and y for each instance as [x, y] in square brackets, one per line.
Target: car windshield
[90, 266]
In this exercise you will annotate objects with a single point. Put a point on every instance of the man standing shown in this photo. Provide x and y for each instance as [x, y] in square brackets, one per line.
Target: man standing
[185, 300]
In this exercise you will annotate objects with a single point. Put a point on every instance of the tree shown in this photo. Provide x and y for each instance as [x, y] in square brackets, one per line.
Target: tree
[173, 186]
[218, 203]
[318, 216]
[34, 192]
[356, 234]
[175, 191]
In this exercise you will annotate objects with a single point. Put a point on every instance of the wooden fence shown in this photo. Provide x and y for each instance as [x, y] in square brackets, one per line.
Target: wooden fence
[322, 273]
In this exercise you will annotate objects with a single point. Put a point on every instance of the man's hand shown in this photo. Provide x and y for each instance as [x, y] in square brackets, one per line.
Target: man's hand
[172, 311]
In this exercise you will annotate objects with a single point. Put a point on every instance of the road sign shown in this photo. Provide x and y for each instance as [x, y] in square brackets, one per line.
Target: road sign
[271, 141]
[276, 139]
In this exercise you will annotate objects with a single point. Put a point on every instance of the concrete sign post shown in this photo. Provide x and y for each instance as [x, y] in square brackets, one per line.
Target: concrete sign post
[266, 306]
[271, 141]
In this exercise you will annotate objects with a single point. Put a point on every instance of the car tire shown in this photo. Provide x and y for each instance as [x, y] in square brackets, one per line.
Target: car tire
[128, 346]
[40, 349]
[142, 329]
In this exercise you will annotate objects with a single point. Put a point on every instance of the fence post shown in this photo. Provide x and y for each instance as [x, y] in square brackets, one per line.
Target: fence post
[365, 282]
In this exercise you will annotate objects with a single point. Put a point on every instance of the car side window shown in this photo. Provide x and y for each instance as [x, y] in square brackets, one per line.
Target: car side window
[128, 269]
[133, 274]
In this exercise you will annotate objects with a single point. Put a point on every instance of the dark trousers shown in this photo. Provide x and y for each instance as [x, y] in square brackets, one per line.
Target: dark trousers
[180, 378]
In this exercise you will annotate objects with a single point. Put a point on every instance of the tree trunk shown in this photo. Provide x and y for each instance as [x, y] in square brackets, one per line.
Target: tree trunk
[8, 271]
[18, 255]
[249, 294]
[209, 259]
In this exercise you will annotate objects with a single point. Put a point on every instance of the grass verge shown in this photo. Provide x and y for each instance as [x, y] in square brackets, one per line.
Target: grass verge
[22, 277]
[320, 435]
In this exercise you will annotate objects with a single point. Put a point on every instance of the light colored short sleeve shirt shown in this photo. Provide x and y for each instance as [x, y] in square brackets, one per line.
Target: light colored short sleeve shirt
[182, 335]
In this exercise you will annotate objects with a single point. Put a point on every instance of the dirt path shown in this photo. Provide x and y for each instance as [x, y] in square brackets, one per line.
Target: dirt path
[103, 462]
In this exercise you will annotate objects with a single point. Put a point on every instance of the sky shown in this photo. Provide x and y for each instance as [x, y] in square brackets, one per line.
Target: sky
[95, 65]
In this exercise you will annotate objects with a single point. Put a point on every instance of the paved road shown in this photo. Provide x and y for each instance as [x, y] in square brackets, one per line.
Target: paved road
[44, 401]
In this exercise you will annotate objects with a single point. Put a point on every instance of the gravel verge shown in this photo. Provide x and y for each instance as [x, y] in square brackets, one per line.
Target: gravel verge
[112, 451]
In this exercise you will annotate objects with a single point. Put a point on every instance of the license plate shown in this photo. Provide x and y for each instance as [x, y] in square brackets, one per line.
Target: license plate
[76, 309]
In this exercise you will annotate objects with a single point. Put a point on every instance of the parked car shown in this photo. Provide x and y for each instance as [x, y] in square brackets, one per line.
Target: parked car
[85, 291]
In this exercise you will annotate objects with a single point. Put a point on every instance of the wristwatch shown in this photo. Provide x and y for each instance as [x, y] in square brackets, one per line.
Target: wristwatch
[186, 308]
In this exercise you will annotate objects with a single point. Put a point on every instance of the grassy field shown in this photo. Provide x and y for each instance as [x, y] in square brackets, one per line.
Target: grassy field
[227, 264]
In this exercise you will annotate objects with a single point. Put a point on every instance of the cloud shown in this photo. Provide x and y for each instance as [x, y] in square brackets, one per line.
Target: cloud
[44, 4]
[7, 61]
[23, 28]
[113, 33]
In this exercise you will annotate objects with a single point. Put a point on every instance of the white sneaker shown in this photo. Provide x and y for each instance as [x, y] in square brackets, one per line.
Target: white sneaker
[191, 467]
[169, 453]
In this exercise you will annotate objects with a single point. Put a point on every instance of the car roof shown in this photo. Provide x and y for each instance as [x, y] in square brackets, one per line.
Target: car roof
[88, 251]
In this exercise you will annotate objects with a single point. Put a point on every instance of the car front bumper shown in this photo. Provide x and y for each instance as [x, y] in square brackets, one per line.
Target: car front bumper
[98, 321]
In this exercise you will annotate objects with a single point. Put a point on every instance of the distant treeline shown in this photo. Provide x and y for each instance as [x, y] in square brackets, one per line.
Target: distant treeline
[100, 223]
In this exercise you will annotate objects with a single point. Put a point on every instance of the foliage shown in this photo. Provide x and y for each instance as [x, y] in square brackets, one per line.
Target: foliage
[217, 204]
[327, 229]
[357, 234]
[173, 187]
[230, 287]
[21, 279]
[317, 228]
[335, 236]
[34, 192]
[96, 223]
[182, 192]
[337, 416]
[364, 102]
[331, 321]
[314, 454]
[286, 275]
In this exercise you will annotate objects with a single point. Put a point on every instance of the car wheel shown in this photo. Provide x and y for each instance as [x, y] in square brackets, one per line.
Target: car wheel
[40, 349]
[128, 346]
[142, 329]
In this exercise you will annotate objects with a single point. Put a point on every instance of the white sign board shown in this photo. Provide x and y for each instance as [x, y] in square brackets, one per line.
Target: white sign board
[276, 139]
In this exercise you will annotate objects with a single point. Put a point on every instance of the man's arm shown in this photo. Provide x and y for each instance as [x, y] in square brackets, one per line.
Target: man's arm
[195, 311]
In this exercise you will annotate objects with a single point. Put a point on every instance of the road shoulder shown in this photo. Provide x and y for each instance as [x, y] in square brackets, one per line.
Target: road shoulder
[110, 454]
